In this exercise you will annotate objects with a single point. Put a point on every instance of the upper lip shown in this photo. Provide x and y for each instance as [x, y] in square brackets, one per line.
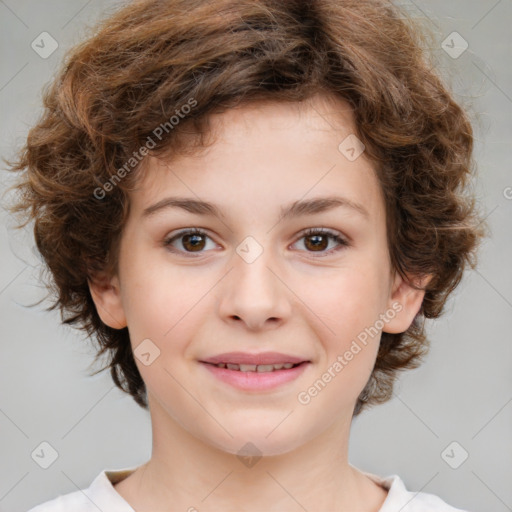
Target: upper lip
[247, 358]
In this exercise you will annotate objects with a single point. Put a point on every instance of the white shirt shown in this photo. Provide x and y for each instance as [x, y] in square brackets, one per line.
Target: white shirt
[101, 495]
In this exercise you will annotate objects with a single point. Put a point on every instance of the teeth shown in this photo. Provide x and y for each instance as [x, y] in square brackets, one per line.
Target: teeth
[261, 368]
[247, 367]
[265, 368]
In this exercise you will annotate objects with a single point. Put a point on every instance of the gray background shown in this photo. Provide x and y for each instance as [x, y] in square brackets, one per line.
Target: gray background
[462, 393]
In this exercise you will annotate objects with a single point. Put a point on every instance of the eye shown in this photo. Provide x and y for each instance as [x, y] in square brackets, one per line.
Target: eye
[317, 240]
[194, 240]
[191, 240]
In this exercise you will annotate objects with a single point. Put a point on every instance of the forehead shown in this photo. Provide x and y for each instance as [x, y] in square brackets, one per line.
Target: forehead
[269, 153]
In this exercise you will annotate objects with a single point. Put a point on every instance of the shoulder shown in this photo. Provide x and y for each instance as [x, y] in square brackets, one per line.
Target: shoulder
[399, 498]
[75, 501]
[100, 495]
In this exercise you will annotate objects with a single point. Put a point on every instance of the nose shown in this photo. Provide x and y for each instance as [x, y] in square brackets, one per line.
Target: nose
[254, 294]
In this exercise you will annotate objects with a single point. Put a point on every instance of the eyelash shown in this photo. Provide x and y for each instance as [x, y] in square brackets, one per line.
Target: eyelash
[309, 232]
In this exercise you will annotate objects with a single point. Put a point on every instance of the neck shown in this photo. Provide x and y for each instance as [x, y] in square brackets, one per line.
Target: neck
[190, 474]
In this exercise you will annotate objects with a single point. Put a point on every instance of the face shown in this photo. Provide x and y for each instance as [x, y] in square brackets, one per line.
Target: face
[256, 272]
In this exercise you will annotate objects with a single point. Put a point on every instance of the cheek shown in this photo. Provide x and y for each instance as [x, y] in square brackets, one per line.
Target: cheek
[166, 306]
[346, 300]
[346, 306]
[159, 297]
[346, 312]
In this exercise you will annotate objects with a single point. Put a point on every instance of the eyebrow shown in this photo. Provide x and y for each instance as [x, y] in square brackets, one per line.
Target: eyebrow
[295, 209]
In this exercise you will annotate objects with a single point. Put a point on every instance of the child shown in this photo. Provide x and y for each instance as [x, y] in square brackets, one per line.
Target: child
[251, 206]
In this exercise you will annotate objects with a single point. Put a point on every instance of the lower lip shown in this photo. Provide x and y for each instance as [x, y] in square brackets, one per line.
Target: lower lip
[256, 381]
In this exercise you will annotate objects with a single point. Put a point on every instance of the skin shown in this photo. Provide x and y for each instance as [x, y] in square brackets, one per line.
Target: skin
[291, 299]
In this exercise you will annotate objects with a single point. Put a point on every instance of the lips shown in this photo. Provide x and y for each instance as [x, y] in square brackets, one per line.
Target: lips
[263, 358]
[261, 368]
[255, 373]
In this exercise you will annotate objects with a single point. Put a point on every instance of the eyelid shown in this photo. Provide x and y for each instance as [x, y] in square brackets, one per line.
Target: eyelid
[169, 239]
[335, 235]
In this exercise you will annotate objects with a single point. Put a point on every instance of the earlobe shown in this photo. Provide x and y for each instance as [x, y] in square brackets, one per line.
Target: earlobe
[406, 301]
[106, 295]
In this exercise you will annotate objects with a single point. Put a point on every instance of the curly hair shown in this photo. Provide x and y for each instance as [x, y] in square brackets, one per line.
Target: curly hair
[121, 87]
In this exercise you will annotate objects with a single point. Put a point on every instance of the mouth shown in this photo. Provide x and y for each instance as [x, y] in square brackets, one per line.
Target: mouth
[255, 372]
[260, 368]
[257, 359]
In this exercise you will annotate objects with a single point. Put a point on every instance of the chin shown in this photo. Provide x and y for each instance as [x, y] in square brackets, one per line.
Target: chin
[258, 443]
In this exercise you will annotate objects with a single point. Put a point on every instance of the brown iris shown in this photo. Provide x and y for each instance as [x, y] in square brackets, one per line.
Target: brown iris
[193, 241]
[320, 242]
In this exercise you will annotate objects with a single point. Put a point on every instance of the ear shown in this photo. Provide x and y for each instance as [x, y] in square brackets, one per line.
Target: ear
[406, 301]
[105, 292]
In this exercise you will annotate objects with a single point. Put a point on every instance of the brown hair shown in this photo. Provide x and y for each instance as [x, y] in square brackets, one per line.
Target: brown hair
[148, 60]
